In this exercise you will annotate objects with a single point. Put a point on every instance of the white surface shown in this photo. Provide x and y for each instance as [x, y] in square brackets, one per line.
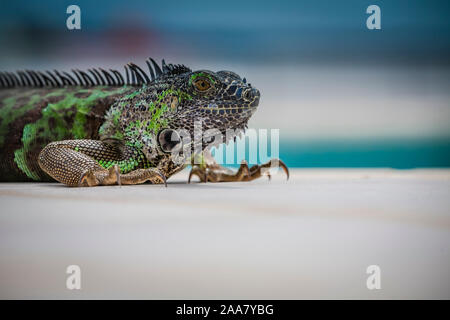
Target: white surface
[310, 237]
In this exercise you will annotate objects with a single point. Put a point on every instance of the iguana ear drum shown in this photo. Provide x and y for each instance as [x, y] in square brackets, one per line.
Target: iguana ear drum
[169, 140]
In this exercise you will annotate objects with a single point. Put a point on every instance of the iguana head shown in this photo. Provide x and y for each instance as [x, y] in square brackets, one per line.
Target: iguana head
[220, 100]
[179, 99]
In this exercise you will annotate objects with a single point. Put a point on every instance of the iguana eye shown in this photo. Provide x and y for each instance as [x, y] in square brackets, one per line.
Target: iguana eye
[202, 85]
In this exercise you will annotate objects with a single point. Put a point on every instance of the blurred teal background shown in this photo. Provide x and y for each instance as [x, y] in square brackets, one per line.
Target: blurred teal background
[341, 95]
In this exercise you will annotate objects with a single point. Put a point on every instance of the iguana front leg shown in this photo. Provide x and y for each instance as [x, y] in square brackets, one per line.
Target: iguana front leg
[209, 170]
[77, 163]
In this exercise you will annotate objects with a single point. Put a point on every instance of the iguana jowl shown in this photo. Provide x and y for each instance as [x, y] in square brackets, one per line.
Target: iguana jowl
[97, 128]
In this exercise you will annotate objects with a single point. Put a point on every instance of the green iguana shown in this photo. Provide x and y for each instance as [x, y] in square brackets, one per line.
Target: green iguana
[101, 128]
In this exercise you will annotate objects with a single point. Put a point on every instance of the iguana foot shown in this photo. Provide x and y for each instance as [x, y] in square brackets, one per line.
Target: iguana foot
[66, 163]
[102, 177]
[139, 176]
[217, 173]
[112, 177]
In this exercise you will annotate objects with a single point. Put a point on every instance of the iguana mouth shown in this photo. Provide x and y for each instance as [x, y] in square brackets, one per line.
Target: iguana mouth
[249, 100]
[216, 109]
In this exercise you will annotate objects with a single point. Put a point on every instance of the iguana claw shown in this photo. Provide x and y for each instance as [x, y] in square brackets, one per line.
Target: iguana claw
[216, 173]
[101, 177]
[139, 176]
[202, 174]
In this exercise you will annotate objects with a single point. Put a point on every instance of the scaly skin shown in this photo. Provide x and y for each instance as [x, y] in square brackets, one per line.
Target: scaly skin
[31, 118]
[87, 134]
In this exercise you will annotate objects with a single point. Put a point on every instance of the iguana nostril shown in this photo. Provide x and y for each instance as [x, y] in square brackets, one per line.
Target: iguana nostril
[250, 94]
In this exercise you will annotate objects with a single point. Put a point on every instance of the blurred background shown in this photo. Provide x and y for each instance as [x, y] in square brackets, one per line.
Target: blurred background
[341, 95]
